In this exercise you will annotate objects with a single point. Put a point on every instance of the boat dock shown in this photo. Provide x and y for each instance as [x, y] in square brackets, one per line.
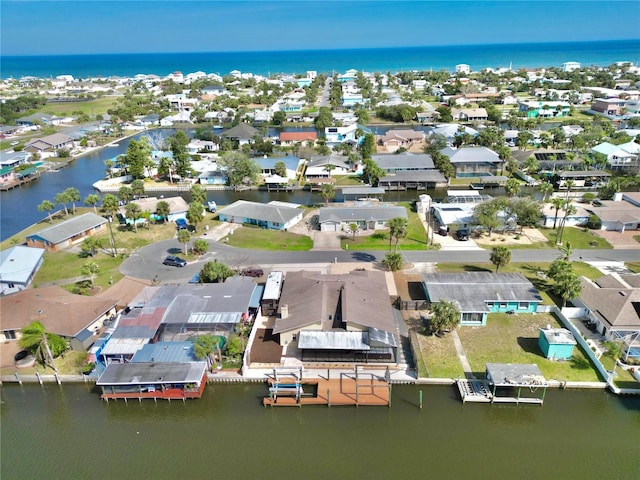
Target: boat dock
[347, 389]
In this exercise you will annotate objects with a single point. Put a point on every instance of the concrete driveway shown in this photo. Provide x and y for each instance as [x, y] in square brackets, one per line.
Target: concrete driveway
[620, 240]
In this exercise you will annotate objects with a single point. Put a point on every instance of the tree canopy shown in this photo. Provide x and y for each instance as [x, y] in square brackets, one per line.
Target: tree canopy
[445, 316]
[215, 272]
[500, 257]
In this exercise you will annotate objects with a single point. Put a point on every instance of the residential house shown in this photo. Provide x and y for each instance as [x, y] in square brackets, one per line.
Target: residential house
[322, 166]
[50, 143]
[609, 107]
[544, 109]
[18, 266]
[68, 232]
[37, 119]
[288, 139]
[213, 177]
[292, 165]
[620, 214]
[76, 318]
[469, 114]
[476, 294]
[178, 207]
[582, 179]
[473, 161]
[451, 130]
[336, 135]
[625, 156]
[365, 216]
[273, 215]
[577, 219]
[196, 146]
[337, 318]
[395, 139]
[241, 133]
[612, 303]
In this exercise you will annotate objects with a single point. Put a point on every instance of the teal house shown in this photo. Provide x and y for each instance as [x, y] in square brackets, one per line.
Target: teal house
[476, 294]
[556, 343]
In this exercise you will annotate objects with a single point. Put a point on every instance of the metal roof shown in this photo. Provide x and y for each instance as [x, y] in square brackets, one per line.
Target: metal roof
[256, 296]
[318, 340]
[69, 228]
[413, 176]
[515, 374]
[215, 318]
[18, 263]
[363, 191]
[165, 352]
[152, 373]
[123, 346]
[273, 286]
[558, 336]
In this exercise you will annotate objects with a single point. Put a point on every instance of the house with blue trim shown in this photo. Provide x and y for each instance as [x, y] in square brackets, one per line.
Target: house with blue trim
[268, 165]
[476, 294]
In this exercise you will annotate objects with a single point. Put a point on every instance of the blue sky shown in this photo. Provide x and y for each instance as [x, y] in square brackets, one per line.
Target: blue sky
[87, 26]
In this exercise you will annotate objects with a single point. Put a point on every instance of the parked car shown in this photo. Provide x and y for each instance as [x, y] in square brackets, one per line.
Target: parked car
[14, 143]
[174, 261]
[462, 235]
[252, 272]
[182, 224]
[443, 230]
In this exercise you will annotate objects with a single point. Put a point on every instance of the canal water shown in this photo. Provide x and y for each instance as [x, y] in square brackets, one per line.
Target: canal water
[67, 432]
[19, 207]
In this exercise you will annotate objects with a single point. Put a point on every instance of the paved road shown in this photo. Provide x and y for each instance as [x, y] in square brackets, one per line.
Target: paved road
[147, 262]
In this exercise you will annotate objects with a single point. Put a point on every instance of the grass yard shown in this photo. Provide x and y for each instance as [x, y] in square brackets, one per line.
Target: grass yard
[69, 363]
[99, 106]
[439, 356]
[578, 237]
[623, 378]
[342, 180]
[259, 239]
[416, 238]
[533, 271]
[65, 265]
[514, 339]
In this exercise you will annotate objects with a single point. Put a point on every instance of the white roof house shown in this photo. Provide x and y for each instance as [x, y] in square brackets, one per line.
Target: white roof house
[18, 266]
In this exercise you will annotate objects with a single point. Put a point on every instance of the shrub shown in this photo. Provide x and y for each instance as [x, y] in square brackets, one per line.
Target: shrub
[594, 222]
[200, 246]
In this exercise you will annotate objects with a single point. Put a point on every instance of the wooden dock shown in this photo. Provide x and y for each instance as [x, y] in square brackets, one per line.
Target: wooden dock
[478, 391]
[345, 390]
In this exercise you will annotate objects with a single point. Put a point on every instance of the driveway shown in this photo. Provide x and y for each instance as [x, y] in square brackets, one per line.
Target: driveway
[620, 240]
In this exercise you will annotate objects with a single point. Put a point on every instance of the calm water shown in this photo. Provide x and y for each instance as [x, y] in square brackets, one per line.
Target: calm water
[53, 432]
[524, 55]
[19, 207]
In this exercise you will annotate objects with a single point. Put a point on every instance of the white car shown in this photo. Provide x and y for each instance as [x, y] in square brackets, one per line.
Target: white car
[14, 143]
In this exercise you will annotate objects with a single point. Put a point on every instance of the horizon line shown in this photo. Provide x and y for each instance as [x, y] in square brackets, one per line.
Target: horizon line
[323, 49]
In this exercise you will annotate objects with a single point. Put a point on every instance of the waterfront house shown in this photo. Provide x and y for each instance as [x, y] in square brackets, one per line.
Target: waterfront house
[582, 179]
[451, 130]
[49, 144]
[337, 135]
[365, 216]
[612, 304]
[392, 140]
[620, 157]
[268, 166]
[272, 215]
[469, 114]
[178, 207]
[544, 109]
[241, 133]
[391, 163]
[323, 166]
[473, 161]
[18, 266]
[556, 343]
[196, 146]
[271, 294]
[288, 139]
[213, 177]
[337, 318]
[476, 294]
[76, 318]
[68, 232]
[38, 119]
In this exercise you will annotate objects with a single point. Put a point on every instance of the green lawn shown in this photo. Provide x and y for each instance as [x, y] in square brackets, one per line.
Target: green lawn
[514, 339]
[578, 237]
[533, 271]
[91, 107]
[416, 238]
[259, 239]
[63, 265]
[346, 180]
[439, 356]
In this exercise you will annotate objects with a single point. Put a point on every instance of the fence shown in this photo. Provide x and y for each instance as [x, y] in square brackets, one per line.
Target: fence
[412, 304]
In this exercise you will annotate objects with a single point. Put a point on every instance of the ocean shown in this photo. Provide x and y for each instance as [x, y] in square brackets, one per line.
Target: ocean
[524, 55]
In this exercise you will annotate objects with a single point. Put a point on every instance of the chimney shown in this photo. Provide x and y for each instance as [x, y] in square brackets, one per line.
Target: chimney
[284, 311]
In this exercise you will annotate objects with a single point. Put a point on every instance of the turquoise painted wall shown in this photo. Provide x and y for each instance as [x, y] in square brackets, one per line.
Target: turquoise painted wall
[557, 352]
[532, 307]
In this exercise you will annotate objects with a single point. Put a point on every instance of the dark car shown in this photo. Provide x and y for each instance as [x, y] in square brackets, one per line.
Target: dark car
[252, 272]
[462, 235]
[174, 261]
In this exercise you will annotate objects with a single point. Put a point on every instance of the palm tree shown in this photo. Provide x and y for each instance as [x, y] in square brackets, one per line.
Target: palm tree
[500, 257]
[569, 209]
[354, 228]
[62, 198]
[445, 316]
[512, 187]
[47, 206]
[566, 251]
[183, 237]
[397, 230]
[43, 344]
[163, 210]
[327, 191]
[545, 188]
[73, 195]
[557, 203]
[133, 211]
[92, 199]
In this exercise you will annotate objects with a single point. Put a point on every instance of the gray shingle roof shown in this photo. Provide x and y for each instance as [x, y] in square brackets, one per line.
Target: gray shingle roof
[471, 155]
[404, 161]
[69, 228]
[471, 290]
[261, 211]
[355, 214]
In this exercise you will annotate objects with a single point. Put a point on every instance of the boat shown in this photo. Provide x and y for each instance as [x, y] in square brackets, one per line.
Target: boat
[212, 206]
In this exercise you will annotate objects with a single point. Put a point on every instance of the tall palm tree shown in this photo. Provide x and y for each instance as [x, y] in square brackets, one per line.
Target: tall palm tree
[557, 203]
[36, 339]
[397, 230]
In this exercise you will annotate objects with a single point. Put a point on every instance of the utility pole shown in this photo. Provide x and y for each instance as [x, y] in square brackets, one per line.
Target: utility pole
[112, 238]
